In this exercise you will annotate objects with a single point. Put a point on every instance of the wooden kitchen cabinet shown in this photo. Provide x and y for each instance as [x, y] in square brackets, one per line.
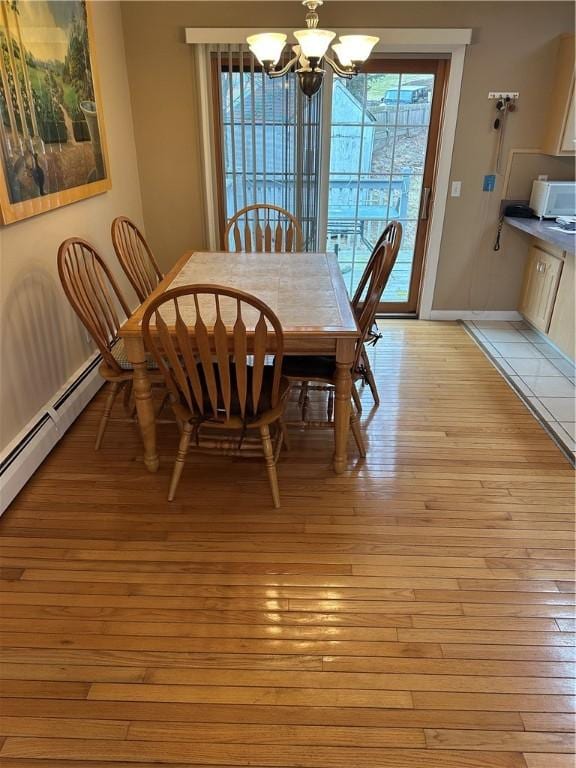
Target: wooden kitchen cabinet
[568, 146]
[560, 138]
[562, 330]
[541, 280]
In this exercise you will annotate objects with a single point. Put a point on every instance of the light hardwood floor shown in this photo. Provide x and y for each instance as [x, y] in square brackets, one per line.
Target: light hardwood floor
[415, 612]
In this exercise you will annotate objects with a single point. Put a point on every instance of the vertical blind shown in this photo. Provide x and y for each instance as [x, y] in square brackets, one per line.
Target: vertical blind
[270, 135]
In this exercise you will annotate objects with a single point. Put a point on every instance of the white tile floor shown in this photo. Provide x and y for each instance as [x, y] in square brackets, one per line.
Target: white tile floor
[541, 376]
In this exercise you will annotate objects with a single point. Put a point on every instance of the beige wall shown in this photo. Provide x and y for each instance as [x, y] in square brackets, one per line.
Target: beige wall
[513, 48]
[43, 344]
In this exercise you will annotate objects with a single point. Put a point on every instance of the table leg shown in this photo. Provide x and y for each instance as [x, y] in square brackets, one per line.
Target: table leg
[344, 360]
[144, 402]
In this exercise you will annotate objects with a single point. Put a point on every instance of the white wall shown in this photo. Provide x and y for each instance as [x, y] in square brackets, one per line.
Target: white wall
[41, 342]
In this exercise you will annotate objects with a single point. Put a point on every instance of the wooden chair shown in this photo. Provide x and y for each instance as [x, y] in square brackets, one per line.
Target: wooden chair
[135, 257]
[211, 345]
[263, 228]
[392, 234]
[319, 372]
[98, 302]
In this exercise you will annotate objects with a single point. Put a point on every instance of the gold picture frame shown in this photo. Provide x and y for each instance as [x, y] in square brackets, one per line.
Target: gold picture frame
[52, 137]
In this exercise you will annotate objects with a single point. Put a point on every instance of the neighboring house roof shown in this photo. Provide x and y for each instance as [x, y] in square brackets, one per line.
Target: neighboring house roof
[350, 101]
[262, 98]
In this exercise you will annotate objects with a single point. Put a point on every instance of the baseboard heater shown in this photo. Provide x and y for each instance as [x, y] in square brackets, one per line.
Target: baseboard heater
[28, 450]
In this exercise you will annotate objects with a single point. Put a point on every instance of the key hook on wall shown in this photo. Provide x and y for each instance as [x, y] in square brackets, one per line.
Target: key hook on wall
[503, 107]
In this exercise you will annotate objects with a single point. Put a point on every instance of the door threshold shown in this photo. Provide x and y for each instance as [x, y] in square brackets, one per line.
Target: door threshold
[397, 316]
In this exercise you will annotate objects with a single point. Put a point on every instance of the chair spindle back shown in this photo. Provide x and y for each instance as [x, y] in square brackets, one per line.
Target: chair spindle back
[135, 257]
[93, 294]
[203, 338]
[378, 275]
[392, 234]
[263, 228]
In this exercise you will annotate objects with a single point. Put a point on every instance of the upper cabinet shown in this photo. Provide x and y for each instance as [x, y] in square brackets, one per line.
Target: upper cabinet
[560, 136]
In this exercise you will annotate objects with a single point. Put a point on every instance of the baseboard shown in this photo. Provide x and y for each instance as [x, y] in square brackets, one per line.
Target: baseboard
[473, 314]
[27, 451]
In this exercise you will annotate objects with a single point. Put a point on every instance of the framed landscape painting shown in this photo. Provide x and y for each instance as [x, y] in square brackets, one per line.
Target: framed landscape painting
[52, 139]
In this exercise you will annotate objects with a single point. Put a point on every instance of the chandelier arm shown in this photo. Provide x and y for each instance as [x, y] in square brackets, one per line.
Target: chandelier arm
[311, 51]
[340, 71]
[273, 73]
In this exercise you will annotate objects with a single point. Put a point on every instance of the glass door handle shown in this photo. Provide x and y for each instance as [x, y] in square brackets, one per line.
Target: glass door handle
[425, 202]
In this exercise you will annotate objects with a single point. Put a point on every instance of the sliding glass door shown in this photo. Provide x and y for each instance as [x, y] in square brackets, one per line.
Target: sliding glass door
[378, 135]
[383, 137]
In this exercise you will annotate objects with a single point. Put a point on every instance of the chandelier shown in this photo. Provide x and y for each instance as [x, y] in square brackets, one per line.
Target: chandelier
[311, 51]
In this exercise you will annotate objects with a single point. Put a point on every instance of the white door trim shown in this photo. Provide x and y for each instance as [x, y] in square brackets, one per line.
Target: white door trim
[447, 135]
[408, 40]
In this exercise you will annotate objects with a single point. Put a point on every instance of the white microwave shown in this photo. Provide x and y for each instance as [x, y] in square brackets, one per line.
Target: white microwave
[553, 198]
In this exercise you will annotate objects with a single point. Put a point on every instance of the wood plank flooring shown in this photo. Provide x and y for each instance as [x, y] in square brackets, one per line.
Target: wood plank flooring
[417, 612]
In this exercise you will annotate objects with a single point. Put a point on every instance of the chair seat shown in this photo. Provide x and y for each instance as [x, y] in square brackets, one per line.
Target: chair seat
[308, 367]
[119, 354]
[264, 403]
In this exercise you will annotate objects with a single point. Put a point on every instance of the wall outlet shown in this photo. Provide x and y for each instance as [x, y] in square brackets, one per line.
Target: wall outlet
[456, 188]
[543, 177]
[503, 95]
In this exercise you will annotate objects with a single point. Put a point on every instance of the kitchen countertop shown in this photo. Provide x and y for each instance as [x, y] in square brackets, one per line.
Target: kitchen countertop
[543, 230]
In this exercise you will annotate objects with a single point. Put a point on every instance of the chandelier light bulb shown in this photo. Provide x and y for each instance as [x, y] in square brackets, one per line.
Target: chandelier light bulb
[343, 58]
[314, 42]
[267, 47]
[357, 48]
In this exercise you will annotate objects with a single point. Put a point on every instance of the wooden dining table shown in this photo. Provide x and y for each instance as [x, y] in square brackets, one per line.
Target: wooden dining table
[307, 293]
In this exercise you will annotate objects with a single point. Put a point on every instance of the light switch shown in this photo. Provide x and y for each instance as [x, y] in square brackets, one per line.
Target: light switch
[456, 187]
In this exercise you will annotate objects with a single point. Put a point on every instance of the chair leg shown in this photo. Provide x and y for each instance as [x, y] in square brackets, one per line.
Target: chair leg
[357, 432]
[163, 404]
[114, 389]
[285, 439]
[277, 441]
[303, 392]
[179, 422]
[370, 377]
[330, 405]
[129, 407]
[356, 398]
[270, 465]
[304, 400]
[180, 459]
